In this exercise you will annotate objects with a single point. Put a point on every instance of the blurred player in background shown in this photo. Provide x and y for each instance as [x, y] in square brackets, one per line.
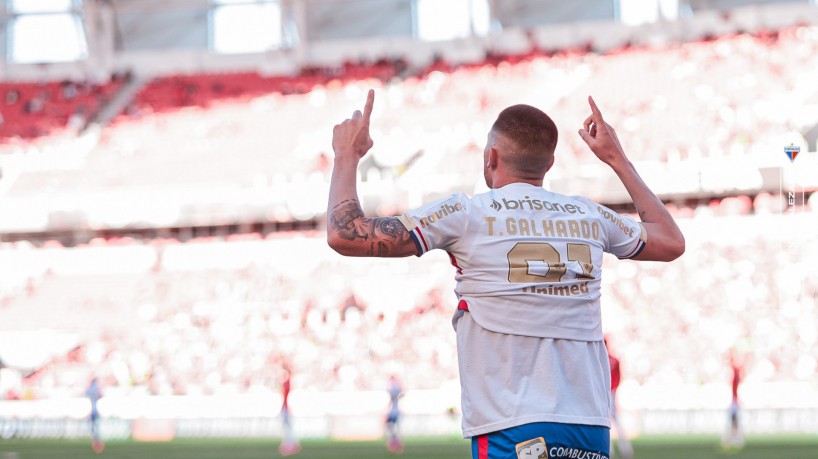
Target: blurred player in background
[393, 441]
[534, 372]
[624, 446]
[289, 444]
[2, 365]
[94, 393]
[734, 437]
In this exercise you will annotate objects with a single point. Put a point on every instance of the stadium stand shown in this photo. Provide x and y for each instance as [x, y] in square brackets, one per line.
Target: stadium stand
[724, 98]
[201, 315]
[173, 92]
[215, 316]
[33, 110]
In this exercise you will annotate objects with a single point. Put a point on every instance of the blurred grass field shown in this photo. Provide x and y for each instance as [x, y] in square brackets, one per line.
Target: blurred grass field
[777, 447]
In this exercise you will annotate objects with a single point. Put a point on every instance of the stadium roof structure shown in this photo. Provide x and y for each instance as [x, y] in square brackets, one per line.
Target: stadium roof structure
[279, 36]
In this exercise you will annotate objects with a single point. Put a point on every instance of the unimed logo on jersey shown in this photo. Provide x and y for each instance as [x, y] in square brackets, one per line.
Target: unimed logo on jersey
[532, 449]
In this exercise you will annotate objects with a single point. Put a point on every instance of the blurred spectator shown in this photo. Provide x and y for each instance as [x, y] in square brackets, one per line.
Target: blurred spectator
[12, 96]
[393, 442]
[35, 104]
[289, 444]
[94, 393]
[623, 445]
[69, 90]
[734, 437]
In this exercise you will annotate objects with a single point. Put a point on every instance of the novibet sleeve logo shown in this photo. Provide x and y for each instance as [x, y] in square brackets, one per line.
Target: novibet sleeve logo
[442, 212]
[532, 449]
[792, 151]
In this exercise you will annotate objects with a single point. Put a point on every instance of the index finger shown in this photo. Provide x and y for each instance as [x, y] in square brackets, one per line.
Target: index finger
[370, 101]
[595, 113]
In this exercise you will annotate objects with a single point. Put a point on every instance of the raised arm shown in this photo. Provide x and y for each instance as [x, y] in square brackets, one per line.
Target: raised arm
[349, 231]
[665, 240]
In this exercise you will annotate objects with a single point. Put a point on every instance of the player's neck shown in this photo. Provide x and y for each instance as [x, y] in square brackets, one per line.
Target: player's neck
[500, 182]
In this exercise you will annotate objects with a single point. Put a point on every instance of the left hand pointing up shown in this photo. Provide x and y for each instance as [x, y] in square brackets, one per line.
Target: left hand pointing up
[351, 137]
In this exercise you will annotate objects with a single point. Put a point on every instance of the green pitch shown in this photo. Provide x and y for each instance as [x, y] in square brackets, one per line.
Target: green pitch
[802, 447]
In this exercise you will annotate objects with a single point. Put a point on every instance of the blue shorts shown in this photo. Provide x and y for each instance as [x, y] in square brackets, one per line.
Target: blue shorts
[544, 440]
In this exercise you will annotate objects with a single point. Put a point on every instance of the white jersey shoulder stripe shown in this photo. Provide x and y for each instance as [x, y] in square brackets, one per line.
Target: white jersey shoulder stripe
[414, 231]
[640, 243]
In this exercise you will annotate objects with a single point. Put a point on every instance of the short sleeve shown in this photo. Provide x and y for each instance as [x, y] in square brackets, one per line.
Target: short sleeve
[438, 224]
[625, 236]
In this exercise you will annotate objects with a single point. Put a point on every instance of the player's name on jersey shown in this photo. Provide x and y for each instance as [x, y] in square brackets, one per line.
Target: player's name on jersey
[580, 289]
[578, 229]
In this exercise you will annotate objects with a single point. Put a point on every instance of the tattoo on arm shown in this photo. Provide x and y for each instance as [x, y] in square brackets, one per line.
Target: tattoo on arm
[378, 250]
[386, 235]
[347, 218]
[391, 227]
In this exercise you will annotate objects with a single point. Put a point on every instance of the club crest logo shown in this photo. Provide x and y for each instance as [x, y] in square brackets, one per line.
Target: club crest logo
[792, 151]
[532, 449]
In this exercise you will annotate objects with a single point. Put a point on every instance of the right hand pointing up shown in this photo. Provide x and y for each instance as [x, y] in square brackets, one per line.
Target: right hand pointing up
[601, 137]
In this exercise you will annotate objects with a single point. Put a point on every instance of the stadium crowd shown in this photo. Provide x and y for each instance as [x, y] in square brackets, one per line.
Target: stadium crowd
[707, 89]
[727, 97]
[32, 110]
[225, 314]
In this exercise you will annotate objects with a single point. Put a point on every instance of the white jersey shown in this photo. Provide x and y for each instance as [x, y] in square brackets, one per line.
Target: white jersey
[529, 265]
